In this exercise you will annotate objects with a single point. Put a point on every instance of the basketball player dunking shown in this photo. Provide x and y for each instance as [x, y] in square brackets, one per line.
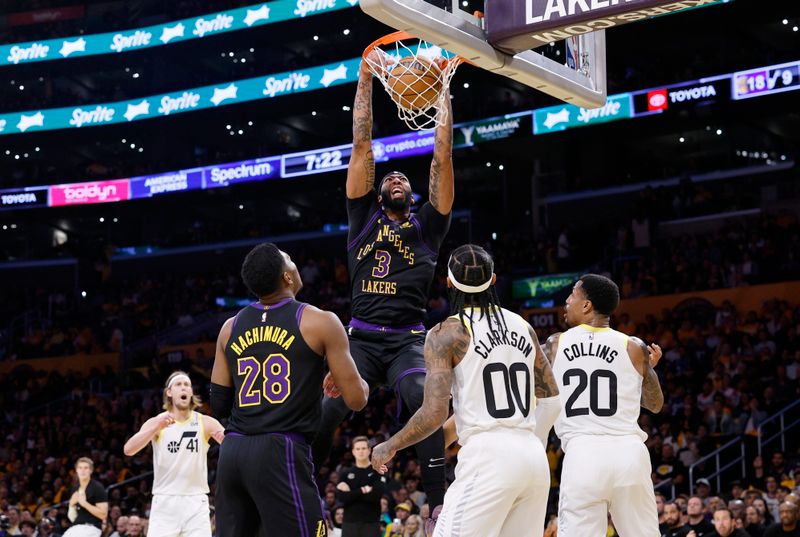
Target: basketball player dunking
[180, 438]
[267, 376]
[491, 360]
[392, 256]
[604, 377]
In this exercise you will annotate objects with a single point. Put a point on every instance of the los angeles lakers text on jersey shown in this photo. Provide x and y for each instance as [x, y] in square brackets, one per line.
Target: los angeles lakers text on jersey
[509, 338]
[262, 334]
[387, 235]
[597, 350]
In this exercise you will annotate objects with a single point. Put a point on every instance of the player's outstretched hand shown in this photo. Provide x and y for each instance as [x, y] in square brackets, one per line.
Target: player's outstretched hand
[330, 388]
[344, 487]
[381, 454]
[219, 436]
[655, 354]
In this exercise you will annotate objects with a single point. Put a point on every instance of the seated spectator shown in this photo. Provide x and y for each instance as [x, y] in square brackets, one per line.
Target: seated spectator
[788, 526]
[725, 526]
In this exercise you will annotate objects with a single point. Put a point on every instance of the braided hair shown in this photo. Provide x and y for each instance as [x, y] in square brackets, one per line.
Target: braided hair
[471, 265]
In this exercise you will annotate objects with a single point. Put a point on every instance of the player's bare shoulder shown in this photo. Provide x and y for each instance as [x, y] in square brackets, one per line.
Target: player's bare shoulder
[550, 347]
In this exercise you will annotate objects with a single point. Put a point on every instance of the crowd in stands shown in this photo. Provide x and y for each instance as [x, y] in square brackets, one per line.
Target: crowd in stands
[724, 372]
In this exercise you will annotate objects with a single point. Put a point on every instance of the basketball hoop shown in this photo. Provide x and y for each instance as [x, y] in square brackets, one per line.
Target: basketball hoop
[415, 77]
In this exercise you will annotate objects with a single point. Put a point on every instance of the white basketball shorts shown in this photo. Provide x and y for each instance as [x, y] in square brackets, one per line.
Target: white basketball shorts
[179, 516]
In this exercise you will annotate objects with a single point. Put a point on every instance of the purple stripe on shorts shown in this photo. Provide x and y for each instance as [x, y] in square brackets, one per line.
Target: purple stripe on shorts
[313, 473]
[299, 313]
[364, 230]
[260, 306]
[362, 325]
[298, 500]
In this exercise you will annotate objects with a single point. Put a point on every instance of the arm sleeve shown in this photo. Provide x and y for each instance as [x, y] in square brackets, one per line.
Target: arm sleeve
[547, 410]
[434, 225]
[221, 400]
[359, 210]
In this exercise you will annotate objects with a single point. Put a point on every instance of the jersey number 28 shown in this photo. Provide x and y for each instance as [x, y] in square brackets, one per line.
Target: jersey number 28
[275, 385]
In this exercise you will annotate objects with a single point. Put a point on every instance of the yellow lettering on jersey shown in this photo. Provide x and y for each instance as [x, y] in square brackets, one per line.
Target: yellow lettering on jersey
[288, 343]
[388, 235]
[259, 334]
[379, 287]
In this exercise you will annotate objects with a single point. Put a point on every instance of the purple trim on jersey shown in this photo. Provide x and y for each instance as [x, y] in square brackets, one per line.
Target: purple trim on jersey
[364, 230]
[260, 306]
[299, 313]
[418, 225]
[298, 500]
[235, 320]
[403, 375]
[362, 325]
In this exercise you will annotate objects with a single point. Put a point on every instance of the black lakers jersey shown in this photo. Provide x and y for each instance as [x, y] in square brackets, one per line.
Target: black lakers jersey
[392, 264]
[277, 378]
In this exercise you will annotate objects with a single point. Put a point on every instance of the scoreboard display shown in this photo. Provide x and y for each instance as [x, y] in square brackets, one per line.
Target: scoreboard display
[766, 80]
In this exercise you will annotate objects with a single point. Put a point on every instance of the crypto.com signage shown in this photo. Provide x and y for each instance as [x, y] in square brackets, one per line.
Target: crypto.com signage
[517, 25]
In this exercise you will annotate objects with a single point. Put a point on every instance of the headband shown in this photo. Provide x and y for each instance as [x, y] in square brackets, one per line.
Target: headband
[469, 289]
[176, 377]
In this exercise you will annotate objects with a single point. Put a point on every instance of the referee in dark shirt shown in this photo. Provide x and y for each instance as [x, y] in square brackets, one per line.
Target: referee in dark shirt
[360, 490]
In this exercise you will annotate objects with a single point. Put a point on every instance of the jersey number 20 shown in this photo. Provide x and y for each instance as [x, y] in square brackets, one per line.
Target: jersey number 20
[511, 383]
[593, 382]
[275, 385]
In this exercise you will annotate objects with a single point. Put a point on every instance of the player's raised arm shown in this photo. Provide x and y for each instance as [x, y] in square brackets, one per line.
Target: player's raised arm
[336, 348]
[148, 431]
[548, 405]
[446, 343]
[361, 170]
[652, 396]
[441, 188]
[221, 380]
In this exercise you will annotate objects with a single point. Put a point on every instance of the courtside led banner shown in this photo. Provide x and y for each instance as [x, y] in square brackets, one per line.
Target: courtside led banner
[567, 116]
[765, 81]
[238, 91]
[166, 34]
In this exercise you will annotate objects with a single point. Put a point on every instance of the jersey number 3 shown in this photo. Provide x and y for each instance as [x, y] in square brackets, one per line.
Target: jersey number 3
[593, 382]
[275, 386]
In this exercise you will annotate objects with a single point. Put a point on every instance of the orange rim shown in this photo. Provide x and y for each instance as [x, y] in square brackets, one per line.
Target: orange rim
[400, 36]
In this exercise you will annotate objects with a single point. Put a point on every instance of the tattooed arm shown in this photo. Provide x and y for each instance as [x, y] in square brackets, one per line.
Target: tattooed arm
[543, 379]
[652, 396]
[551, 347]
[361, 170]
[445, 346]
[441, 188]
[548, 404]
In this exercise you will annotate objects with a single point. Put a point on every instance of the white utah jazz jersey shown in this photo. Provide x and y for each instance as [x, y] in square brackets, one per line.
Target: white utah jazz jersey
[494, 382]
[599, 388]
[179, 458]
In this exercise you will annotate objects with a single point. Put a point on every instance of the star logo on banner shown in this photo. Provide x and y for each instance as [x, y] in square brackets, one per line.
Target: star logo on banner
[26, 122]
[135, 110]
[2, 125]
[171, 33]
[352, 2]
[329, 76]
[255, 15]
[221, 94]
[68, 47]
[562, 116]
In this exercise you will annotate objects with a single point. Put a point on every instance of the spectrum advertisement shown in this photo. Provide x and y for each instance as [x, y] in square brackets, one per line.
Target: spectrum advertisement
[765, 81]
[262, 87]
[165, 34]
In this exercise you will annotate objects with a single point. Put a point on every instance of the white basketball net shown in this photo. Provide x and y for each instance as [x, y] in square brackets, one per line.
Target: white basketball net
[440, 68]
